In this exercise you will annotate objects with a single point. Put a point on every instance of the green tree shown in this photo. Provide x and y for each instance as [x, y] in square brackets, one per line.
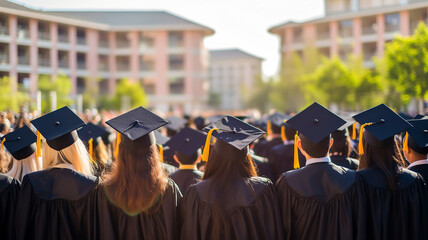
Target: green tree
[214, 99]
[130, 89]
[258, 94]
[9, 99]
[61, 85]
[406, 62]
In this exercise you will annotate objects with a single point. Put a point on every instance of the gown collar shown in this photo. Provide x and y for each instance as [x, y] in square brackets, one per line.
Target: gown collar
[318, 160]
[419, 162]
[64, 165]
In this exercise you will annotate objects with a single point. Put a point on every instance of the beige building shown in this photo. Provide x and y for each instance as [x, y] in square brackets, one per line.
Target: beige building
[232, 72]
[162, 51]
[361, 27]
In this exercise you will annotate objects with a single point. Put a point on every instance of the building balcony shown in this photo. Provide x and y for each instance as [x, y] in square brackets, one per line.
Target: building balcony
[81, 65]
[147, 67]
[4, 31]
[81, 41]
[123, 44]
[392, 29]
[103, 44]
[123, 67]
[44, 62]
[63, 64]
[23, 34]
[4, 59]
[323, 36]
[103, 66]
[368, 30]
[44, 36]
[23, 60]
[62, 38]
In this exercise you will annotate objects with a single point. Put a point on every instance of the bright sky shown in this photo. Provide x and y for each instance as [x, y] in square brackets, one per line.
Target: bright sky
[238, 23]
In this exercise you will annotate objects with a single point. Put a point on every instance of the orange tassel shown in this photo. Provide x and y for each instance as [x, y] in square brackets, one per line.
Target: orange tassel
[38, 144]
[160, 153]
[406, 143]
[354, 131]
[269, 128]
[206, 152]
[296, 164]
[360, 144]
[117, 145]
[2, 143]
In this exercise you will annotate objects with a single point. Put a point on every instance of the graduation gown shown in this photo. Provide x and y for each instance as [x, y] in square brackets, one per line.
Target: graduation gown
[56, 203]
[422, 170]
[252, 211]
[9, 188]
[319, 201]
[186, 177]
[159, 222]
[263, 148]
[399, 214]
[263, 167]
[169, 169]
[281, 159]
[347, 162]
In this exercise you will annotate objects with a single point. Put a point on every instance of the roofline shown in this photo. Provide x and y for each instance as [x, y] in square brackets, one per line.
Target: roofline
[348, 15]
[231, 49]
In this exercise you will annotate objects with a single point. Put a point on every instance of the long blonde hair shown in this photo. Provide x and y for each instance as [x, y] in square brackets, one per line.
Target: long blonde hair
[75, 154]
[24, 166]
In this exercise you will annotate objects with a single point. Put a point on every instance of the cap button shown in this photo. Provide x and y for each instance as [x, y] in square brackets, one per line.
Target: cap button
[382, 120]
[316, 121]
[57, 123]
[187, 140]
[19, 138]
[425, 131]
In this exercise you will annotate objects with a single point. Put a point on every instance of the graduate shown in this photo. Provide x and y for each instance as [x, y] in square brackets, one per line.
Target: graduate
[91, 135]
[415, 147]
[273, 139]
[137, 200]
[21, 144]
[318, 200]
[186, 146]
[395, 198]
[281, 157]
[231, 202]
[199, 123]
[342, 148]
[58, 202]
[175, 125]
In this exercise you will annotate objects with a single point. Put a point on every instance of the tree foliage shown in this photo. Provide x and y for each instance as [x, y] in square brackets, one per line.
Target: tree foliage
[132, 90]
[61, 85]
[9, 99]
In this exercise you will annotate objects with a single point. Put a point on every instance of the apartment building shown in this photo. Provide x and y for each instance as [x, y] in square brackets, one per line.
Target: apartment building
[162, 51]
[360, 27]
[231, 73]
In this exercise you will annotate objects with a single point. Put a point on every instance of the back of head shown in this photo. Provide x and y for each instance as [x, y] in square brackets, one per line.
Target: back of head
[137, 178]
[315, 150]
[24, 166]
[341, 144]
[75, 154]
[289, 133]
[187, 160]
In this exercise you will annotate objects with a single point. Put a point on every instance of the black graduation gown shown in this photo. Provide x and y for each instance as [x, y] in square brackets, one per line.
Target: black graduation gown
[159, 222]
[9, 188]
[186, 177]
[319, 201]
[169, 169]
[399, 214]
[281, 160]
[263, 148]
[56, 203]
[422, 170]
[347, 162]
[252, 211]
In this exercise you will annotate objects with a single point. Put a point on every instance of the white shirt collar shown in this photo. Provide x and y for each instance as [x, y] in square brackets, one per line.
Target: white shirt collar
[288, 142]
[419, 162]
[318, 160]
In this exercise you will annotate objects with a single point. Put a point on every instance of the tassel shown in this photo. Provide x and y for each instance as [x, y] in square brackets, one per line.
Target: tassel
[283, 133]
[90, 143]
[117, 145]
[38, 144]
[360, 144]
[296, 164]
[354, 131]
[2, 143]
[160, 153]
[406, 143]
[269, 128]
[206, 152]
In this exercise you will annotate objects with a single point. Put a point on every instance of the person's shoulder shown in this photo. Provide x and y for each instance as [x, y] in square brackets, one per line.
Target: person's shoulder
[7, 181]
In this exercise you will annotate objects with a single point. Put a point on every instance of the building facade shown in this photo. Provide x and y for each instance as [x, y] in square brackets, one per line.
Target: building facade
[162, 51]
[360, 27]
[232, 73]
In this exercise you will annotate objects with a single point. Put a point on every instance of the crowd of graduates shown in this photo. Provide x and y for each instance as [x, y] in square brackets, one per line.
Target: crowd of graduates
[310, 175]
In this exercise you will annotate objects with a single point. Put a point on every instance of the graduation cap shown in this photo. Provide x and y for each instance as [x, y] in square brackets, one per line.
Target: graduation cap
[138, 125]
[420, 116]
[176, 123]
[160, 138]
[199, 122]
[92, 134]
[187, 142]
[381, 124]
[20, 143]
[232, 131]
[417, 136]
[315, 123]
[58, 127]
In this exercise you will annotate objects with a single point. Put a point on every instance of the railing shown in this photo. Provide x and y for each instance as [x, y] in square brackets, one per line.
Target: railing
[123, 67]
[4, 59]
[23, 34]
[4, 31]
[63, 38]
[44, 36]
[24, 60]
[123, 44]
[44, 62]
[63, 64]
[81, 41]
[324, 35]
[392, 28]
[345, 33]
[81, 65]
[147, 66]
[103, 43]
[102, 66]
[369, 30]
[176, 66]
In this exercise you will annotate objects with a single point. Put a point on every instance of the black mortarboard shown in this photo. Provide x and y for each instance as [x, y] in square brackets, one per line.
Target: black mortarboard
[234, 132]
[176, 123]
[418, 136]
[242, 117]
[316, 122]
[160, 138]
[138, 124]
[277, 119]
[20, 143]
[187, 141]
[58, 127]
[405, 116]
[92, 131]
[420, 116]
[385, 123]
[199, 121]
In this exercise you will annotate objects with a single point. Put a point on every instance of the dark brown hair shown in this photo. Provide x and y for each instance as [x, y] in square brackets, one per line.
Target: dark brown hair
[289, 133]
[387, 159]
[137, 179]
[315, 150]
[183, 159]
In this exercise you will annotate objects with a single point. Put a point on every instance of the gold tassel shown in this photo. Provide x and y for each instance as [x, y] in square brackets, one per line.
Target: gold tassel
[360, 144]
[406, 143]
[117, 145]
[296, 164]
[160, 153]
[269, 128]
[90, 143]
[2, 143]
[38, 144]
[283, 133]
[354, 131]
[206, 152]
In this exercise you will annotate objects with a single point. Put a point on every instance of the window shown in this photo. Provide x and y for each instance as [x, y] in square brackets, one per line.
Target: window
[176, 85]
[176, 62]
[345, 28]
[176, 39]
[392, 22]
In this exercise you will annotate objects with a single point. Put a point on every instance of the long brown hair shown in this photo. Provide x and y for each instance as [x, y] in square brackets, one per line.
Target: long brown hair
[224, 169]
[137, 179]
[387, 159]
